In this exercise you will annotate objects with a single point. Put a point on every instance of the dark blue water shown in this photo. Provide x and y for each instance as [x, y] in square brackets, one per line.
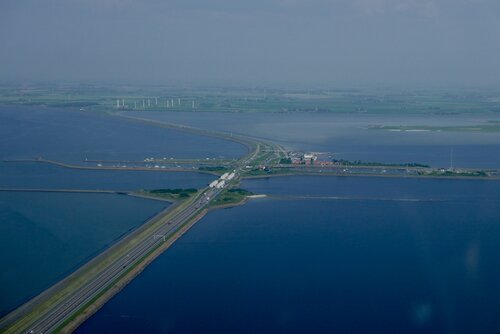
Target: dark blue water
[69, 135]
[348, 136]
[45, 176]
[327, 266]
[45, 236]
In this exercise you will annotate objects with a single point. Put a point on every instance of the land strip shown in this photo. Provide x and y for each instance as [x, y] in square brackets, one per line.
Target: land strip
[85, 191]
[342, 174]
[113, 168]
[64, 306]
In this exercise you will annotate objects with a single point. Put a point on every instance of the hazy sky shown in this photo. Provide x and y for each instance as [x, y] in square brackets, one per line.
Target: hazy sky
[251, 42]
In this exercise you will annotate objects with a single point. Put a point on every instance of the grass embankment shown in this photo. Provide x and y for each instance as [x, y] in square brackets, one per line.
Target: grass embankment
[231, 197]
[169, 194]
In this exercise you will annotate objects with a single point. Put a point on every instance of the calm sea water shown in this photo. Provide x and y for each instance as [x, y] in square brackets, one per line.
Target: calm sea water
[371, 262]
[45, 236]
[348, 136]
[69, 135]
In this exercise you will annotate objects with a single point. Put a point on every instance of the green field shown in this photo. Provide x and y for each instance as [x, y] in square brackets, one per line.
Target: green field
[99, 98]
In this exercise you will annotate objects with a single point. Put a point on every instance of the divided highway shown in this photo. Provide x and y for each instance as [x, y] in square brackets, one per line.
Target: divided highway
[54, 309]
[66, 307]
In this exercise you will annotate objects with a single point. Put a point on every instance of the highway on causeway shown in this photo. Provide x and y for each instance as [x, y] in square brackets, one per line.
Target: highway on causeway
[68, 306]
[62, 308]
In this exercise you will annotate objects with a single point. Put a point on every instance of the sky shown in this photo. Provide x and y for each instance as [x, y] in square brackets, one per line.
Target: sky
[251, 42]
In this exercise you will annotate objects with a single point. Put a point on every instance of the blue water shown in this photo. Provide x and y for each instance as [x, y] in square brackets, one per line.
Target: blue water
[347, 136]
[362, 265]
[70, 135]
[45, 176]
[45, 236]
